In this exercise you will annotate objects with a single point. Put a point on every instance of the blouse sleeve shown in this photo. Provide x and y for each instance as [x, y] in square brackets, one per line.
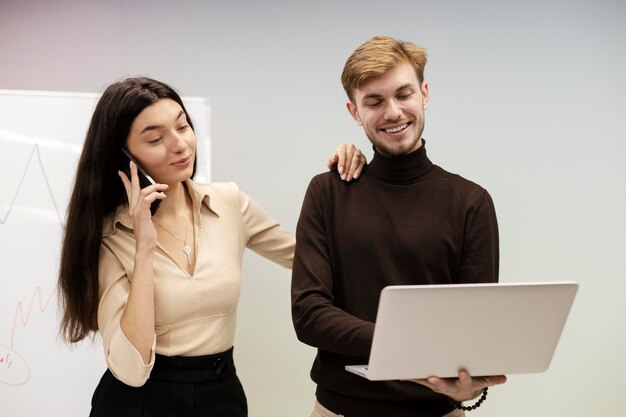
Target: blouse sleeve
[122, 358]
[264, 235]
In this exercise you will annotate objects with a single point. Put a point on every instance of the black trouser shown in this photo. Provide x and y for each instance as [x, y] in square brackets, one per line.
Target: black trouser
[200, 386]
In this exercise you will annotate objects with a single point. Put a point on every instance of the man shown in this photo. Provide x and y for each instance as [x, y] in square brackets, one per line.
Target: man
[404, 221]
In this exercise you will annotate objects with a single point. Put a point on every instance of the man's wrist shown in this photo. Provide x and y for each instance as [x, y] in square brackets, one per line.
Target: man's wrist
[460, 406]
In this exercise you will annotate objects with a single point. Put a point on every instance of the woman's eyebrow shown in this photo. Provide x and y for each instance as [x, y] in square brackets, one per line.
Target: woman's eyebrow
[155, 127]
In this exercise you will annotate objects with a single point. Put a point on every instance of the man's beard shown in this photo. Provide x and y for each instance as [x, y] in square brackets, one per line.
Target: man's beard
[393, 151]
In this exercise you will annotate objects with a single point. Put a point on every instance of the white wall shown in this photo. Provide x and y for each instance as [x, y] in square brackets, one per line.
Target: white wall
[527, 98]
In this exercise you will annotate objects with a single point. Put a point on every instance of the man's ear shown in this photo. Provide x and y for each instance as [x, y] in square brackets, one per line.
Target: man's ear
[353, 112]
[425, 95]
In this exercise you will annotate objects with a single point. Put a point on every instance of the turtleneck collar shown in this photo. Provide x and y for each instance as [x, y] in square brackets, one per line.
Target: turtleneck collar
[402, 169]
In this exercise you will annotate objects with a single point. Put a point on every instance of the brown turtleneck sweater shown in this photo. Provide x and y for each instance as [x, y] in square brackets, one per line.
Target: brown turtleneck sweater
[404, 221]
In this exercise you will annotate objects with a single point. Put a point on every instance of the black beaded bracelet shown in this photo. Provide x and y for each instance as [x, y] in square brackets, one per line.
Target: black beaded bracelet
[474, 406]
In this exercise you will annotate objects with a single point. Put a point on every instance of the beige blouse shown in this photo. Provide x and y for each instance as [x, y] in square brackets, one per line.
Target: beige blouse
[194, 315]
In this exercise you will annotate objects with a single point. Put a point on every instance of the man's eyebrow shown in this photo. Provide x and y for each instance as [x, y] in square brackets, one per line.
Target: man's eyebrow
[372, 95]
[378, 96]
[155, 127]
[404, 87]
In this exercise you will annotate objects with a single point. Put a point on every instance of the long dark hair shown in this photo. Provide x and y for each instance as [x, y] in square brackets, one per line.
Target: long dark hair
[97, 192]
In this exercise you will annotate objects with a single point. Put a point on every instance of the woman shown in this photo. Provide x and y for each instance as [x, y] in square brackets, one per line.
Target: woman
[161, 289]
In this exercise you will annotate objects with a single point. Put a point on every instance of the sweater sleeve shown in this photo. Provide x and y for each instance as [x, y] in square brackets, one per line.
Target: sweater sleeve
[317, 321]
[480, 255]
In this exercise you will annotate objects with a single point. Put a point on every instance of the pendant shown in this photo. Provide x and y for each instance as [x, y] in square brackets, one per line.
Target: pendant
[187, 250]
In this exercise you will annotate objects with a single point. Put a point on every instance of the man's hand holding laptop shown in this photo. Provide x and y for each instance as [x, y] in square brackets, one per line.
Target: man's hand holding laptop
[464, 387]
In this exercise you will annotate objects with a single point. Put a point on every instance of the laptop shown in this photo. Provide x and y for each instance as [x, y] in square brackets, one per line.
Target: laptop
[487, 329]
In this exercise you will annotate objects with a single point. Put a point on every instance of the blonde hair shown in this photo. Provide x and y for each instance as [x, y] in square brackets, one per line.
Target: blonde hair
[377, 56]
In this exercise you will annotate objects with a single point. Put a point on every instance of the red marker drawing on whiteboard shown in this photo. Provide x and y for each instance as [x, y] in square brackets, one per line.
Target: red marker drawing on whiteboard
[13, 367]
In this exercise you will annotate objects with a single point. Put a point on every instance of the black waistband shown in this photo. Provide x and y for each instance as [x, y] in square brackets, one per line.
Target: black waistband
[192, 369]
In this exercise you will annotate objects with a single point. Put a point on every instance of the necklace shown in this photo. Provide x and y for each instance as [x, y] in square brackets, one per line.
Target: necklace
[186, 247]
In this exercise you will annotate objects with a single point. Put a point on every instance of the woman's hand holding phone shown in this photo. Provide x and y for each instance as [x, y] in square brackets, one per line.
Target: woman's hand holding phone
[139, 202]
[145, 180]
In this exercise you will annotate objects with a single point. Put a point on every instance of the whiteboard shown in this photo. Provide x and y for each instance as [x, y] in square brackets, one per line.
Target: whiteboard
[41, 135]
